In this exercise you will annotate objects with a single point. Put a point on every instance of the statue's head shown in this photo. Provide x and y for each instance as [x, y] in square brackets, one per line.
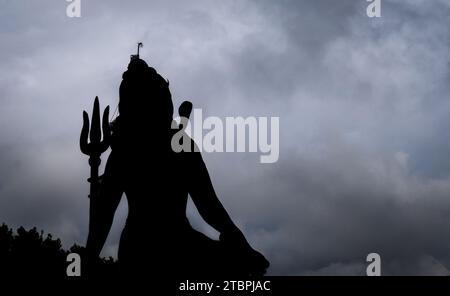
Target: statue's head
[145, 98]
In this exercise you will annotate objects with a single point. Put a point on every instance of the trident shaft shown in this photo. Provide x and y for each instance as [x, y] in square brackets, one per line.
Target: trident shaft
[96, 146]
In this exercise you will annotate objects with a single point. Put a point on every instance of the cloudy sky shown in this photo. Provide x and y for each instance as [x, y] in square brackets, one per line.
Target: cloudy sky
[364, 119]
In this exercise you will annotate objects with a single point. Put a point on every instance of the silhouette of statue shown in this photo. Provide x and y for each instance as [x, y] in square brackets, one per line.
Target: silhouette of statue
[157, 238]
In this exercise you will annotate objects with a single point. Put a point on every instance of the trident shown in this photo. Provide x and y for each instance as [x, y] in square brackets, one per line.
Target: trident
[96, 146]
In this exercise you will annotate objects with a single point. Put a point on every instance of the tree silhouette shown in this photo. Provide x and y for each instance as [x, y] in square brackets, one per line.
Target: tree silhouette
[31, 254]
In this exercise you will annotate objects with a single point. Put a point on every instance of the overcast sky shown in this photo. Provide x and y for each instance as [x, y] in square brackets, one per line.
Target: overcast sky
[364, 119]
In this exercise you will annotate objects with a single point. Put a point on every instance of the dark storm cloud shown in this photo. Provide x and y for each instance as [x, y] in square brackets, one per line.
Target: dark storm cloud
[362, 102]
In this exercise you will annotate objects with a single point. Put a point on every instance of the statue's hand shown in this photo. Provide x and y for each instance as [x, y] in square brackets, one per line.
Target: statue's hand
[252, 260]
[257, 263]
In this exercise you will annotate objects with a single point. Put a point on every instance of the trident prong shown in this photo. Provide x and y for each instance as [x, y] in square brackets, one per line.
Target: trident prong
[96, 146]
